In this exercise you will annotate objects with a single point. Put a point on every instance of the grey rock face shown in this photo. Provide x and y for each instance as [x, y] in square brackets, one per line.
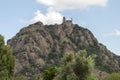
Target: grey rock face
[39, 46]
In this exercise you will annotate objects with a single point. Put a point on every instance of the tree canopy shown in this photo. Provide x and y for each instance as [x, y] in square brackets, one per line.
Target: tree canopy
[76, 66]
[7, 61]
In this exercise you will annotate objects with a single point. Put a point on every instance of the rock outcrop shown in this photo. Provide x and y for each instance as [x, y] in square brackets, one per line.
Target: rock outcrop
[39, 46]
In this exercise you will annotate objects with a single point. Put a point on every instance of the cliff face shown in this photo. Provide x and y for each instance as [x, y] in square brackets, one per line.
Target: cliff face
[39, 46]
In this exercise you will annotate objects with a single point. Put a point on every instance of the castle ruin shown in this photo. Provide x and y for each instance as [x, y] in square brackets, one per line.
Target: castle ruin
[67, 25]
[67, 22]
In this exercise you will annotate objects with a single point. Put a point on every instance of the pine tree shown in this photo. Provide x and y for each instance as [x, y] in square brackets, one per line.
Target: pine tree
[7, 61]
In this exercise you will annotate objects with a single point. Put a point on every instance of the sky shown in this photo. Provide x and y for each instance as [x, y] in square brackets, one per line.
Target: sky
[101, 17]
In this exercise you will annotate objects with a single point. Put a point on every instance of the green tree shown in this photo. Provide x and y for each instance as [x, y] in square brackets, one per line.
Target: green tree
[76, 66]
[113, 76]
[7, 61]
[49, 74]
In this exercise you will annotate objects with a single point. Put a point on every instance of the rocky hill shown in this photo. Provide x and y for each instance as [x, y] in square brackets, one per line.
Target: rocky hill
[39, 46]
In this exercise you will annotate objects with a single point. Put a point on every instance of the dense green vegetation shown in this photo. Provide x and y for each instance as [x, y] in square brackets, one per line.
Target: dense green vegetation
[7, 61]
[74, 66]
[50, 73]
[113, 76]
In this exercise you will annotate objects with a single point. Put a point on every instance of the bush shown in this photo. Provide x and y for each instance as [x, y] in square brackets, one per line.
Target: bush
[113, 76]
[76, 66]
[49, 74]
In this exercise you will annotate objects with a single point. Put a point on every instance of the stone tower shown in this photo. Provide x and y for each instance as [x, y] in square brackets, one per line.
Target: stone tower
[67, 25]
[64, 19]
[67, 22]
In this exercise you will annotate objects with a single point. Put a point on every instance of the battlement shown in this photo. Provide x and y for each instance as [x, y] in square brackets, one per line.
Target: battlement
[67, 22]
[67, 25]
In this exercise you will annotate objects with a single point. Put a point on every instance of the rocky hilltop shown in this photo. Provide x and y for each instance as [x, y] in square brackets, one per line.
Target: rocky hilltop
[39, 46]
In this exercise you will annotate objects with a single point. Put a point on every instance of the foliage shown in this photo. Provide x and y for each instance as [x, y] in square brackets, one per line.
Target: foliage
[113, 76]
[7, 61]
[93, 77]
[49, 74]
[76, 66]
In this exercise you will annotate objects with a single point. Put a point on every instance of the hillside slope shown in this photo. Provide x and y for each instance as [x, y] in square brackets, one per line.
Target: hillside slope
[39, 46]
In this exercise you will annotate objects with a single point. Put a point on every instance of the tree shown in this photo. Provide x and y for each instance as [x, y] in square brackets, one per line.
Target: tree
[76, 66]
[7, 61]
[49, 74]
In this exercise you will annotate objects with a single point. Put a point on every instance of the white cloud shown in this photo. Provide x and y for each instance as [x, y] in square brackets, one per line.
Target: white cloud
[61, 5]
[116, 32]
[54, 7]
[51, 17]
[46, 2]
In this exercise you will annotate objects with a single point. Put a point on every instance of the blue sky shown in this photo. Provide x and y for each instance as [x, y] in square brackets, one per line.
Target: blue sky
[102, 17]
